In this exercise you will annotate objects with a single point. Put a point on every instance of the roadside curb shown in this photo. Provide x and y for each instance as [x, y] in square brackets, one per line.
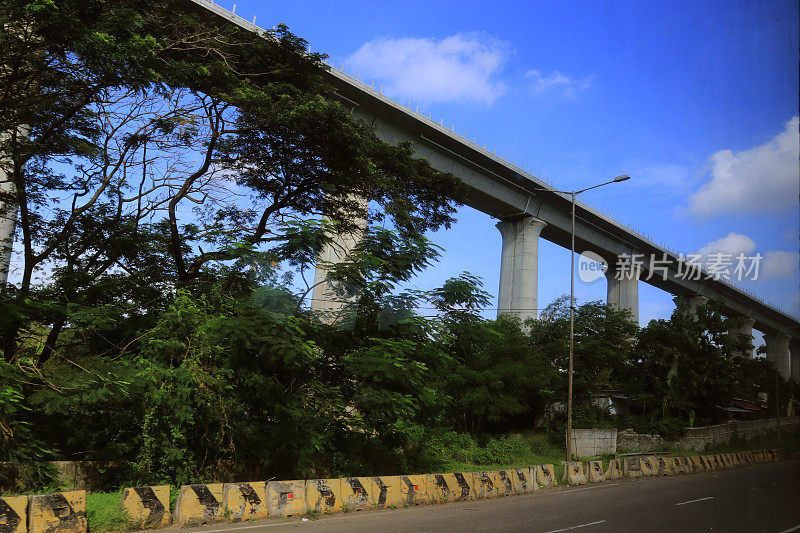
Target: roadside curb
[200, 504]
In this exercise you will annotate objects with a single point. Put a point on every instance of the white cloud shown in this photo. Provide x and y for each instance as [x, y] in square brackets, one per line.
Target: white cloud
[556, 82]
[765, 177]
[779, 264]
[774, 263]
[733, 243]
[460, 68]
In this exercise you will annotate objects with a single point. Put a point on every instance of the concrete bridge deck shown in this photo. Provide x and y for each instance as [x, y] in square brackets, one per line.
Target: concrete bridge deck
[517, 198]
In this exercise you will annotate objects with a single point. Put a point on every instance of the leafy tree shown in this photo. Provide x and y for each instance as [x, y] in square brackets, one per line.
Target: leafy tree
[604, 339]
[161, 137]
[688, 363]
[497, 373]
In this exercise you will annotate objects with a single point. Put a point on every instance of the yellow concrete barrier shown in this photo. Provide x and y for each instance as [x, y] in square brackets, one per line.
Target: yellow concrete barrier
[358, 493]
[484, 485]
[388, 492]
[399, 491]
[648, 465]
[663, 467]
[545, 476]
[614, 469]
[245, 501]
[574, 473]
[14, 514]
[522, 480]
[596, 472]
[685, 465]
[147, 506]
[199, 504]
[446, 488]
[415, 489]
[505, 485]
[697, 465]
[58, 512]
[775, 455]
[324, 495]
[286, 498]
[632, 467]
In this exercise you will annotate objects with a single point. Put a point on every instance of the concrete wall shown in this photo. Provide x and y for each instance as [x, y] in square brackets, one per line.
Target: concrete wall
[592, 442]
[697, 438]
[630, 441]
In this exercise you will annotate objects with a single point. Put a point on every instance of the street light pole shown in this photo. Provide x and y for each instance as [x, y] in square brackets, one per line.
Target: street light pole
[573, 194]
[571, 331]
[570, 372]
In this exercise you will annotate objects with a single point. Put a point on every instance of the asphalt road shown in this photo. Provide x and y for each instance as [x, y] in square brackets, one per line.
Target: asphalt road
[757, 498]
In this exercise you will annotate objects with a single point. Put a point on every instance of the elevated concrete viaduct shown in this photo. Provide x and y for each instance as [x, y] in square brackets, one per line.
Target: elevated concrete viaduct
[529, 209]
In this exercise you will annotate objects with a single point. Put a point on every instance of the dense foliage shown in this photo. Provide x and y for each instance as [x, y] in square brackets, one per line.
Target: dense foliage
[170, 180]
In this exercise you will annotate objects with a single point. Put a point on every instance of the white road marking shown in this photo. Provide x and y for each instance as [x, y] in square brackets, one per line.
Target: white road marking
[697, 500]
[795, 528]
[570, 528]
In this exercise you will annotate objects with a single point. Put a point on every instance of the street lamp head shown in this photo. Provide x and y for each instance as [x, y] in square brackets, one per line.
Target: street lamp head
[623, 177]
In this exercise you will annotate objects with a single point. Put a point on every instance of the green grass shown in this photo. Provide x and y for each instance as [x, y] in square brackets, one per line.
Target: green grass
[458, 452]
[104, 513]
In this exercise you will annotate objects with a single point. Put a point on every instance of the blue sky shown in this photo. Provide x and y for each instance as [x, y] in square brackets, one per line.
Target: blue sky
[697, 101]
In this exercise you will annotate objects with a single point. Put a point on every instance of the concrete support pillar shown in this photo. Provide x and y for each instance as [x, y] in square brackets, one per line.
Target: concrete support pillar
[623, 289]
[327, 300]
[783, 357]
[8, 212]
[8, 225]
[777, 345]
[691, 303]
[746, 331]
[794, 352]
[771, 346]
[519, 267]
